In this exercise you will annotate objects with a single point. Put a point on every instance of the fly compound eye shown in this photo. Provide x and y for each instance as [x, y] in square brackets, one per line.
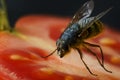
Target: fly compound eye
[57, 42]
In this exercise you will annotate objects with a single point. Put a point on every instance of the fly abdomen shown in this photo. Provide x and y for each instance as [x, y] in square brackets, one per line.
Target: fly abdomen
[95, 29]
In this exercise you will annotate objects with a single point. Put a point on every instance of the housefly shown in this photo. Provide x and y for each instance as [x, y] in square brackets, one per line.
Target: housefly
[79, 29]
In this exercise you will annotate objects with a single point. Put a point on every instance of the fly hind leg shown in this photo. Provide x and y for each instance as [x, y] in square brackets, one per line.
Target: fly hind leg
[81, 57]
[94, 45]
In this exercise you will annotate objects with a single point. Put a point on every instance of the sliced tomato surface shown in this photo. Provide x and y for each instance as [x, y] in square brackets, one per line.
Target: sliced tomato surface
[36, 35]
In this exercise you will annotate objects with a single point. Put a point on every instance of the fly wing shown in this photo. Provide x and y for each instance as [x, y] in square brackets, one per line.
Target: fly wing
[91, 20]
[84, 11]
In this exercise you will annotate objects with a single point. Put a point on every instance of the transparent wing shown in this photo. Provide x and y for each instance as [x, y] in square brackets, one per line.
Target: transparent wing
[91, 20]
[84, 11]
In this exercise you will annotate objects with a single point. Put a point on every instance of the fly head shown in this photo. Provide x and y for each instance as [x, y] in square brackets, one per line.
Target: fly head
[62, 48]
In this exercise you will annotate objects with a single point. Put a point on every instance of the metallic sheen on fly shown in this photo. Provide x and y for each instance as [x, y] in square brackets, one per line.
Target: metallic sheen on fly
[79, 29]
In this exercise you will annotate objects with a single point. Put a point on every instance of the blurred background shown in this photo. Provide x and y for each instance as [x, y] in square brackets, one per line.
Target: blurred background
[19, 8]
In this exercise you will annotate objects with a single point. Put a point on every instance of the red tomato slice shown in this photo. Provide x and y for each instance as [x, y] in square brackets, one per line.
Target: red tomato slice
[20, 53]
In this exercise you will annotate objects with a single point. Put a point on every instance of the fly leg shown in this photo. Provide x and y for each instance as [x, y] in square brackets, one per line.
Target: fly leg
[94, 45]
[81, 56]
[49, 54]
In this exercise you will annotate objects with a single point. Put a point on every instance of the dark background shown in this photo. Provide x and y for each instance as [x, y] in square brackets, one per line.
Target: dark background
[18, 8]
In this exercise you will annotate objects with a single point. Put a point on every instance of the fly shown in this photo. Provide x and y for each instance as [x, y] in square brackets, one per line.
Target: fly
[79, 29]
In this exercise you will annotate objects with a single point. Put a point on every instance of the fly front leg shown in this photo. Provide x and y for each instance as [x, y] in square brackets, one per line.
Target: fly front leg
[49, 54]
